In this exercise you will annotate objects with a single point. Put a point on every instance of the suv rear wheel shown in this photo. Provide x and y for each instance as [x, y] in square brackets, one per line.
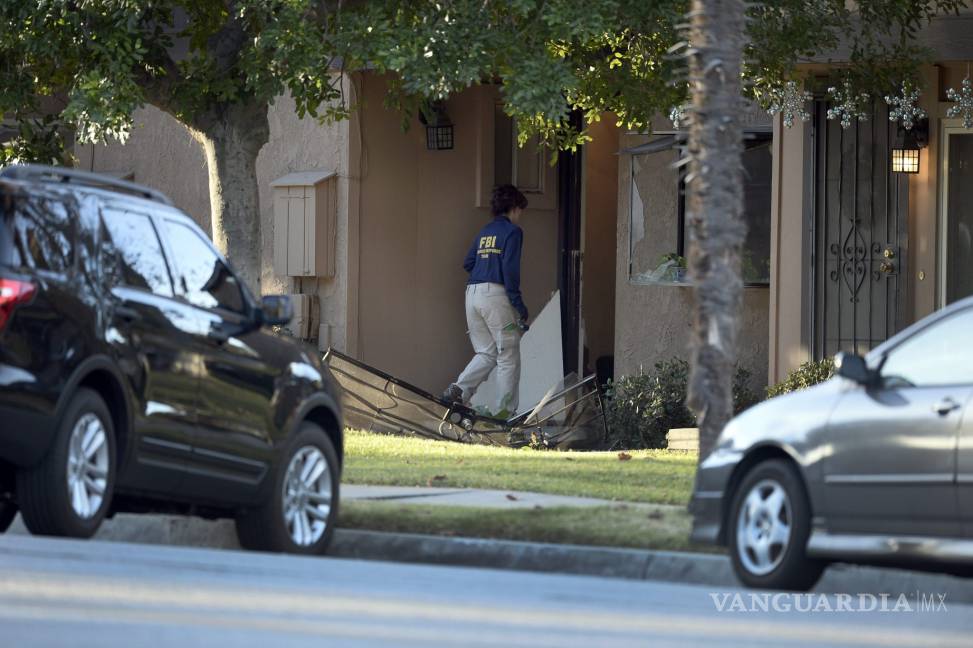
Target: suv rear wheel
[300, 514]
[68, 493]
[769, 525]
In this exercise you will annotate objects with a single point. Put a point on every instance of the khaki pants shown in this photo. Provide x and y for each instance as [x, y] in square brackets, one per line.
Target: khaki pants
[495, 336]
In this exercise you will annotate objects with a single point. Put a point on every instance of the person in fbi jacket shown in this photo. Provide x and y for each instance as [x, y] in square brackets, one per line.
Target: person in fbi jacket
[495, 310]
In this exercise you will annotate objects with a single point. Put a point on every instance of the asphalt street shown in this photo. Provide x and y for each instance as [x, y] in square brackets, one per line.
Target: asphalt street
[96, 593]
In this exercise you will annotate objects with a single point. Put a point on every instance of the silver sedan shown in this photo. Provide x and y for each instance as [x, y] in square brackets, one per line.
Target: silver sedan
[872, 466]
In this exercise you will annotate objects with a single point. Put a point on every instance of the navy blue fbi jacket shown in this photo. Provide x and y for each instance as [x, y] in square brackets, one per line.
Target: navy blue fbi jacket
[494, 257]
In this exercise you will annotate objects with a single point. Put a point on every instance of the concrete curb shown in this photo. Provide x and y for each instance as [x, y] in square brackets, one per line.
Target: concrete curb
[532, 556]
[671, 566]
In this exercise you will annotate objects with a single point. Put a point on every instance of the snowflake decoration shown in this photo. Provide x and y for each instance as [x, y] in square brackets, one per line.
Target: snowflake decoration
[789, 101]
[846, 105]
[905, 107]
[964, 103]
[678, 117]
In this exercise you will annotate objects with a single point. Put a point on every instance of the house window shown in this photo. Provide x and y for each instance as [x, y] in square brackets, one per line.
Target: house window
[521, 166]
[659, 232]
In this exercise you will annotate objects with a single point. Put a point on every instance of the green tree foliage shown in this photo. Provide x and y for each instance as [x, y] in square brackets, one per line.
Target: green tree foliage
[98, 60]
[214, 65]
[554, 57]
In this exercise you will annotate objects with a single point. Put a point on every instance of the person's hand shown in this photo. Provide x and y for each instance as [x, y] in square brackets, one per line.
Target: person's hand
[524, 326]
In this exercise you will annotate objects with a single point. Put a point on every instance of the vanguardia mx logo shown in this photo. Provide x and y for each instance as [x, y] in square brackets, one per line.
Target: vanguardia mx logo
[917, 601]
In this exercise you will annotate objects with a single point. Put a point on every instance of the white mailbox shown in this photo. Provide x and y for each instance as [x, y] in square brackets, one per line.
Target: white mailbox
[305, 206]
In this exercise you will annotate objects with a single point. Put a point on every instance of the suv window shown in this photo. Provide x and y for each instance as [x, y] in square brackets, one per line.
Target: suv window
[41, 233]
[939, 354]
[133, 254]
[205, 280]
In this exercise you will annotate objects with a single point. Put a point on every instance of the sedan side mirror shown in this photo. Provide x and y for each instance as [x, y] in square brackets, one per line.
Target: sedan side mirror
[276, 310]
[853, 367]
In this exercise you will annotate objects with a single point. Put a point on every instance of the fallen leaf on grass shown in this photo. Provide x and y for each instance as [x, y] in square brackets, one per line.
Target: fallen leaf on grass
[435, 478]
[624, 456]
[511, 497]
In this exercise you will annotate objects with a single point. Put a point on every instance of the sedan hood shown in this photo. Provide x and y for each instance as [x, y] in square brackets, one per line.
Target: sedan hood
[786, 420]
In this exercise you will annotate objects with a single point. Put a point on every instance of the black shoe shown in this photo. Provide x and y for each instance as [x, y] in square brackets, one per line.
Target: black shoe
[453, 394]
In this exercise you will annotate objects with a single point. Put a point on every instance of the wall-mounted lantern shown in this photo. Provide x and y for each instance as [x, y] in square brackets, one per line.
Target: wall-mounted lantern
[439, 128]
[905, 152]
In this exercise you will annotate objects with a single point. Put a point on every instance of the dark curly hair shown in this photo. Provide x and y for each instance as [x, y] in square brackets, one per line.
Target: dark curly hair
[506, 197]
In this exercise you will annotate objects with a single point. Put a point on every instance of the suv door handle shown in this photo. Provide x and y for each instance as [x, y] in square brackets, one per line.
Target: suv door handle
[127, 313]
[945, 406]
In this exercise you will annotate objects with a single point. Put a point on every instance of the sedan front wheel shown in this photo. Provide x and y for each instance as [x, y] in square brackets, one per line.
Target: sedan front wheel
[769, 526]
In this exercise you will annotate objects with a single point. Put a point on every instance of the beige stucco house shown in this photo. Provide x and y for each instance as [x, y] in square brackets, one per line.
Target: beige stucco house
[404, 218]
[841, 252]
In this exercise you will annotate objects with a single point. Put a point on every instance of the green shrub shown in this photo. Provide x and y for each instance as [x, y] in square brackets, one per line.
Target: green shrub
[641, 409]
[808, 374]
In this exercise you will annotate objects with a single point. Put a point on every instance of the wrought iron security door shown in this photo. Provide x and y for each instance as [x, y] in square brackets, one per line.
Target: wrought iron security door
[860, 234]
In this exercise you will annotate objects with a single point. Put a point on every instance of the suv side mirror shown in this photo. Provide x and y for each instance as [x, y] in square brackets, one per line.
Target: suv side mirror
[853, 367]
[276, 310]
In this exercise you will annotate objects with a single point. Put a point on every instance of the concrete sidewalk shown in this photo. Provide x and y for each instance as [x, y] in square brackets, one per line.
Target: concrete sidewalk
[476, 497]
[197, 532]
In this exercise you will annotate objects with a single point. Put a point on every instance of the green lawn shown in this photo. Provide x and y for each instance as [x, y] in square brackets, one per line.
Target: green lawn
[655, 476]
[619, 525]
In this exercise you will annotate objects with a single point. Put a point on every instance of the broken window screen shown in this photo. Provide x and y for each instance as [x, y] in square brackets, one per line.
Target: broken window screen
[659, 229]
[571, 414]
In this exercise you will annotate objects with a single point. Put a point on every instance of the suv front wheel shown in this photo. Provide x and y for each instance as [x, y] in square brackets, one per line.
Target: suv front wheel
[301, 512]
[68, 493]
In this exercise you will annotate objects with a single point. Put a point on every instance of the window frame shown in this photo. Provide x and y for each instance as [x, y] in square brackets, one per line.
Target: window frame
[126, 211]
[184, 221]
[29, 264]
[885, 353]
[681, 243]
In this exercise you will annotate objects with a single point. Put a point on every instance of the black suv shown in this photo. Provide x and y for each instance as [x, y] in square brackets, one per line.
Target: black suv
[138, 373]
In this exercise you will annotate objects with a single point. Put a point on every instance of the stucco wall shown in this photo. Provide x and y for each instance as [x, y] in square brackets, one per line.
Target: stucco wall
[652, 322]
[417, 220]
[162, 154]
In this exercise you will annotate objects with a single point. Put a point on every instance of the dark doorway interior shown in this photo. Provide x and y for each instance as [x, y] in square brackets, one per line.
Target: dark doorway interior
[569, 247]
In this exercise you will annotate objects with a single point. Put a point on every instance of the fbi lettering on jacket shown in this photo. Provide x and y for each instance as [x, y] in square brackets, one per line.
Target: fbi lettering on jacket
[488, 246]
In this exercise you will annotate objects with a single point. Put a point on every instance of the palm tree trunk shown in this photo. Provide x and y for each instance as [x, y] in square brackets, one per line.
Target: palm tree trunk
[715, 205]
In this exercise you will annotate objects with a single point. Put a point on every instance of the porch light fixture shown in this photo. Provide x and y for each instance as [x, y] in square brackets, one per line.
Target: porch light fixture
[905, 158]
[905, 153]
[439, 128]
